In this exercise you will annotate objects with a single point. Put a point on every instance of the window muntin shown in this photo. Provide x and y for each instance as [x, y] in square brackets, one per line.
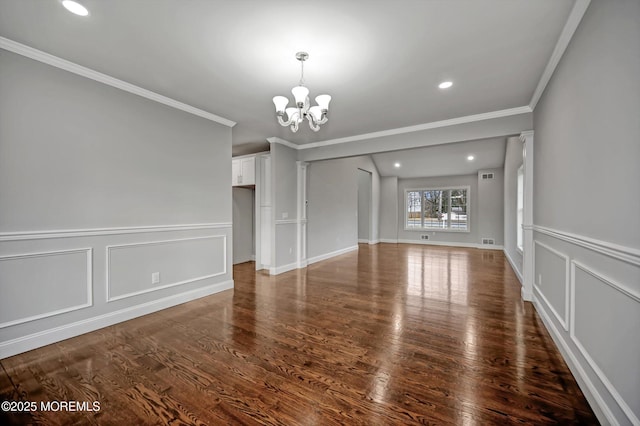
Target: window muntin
[437, 209]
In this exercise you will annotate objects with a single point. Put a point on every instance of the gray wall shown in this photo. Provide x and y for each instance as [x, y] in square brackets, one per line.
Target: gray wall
[512, 162]
[333, 205]
[485, 217]
[100, 188]
[389, 208]
[243, 224]
[586, 204]
[364, 205]
[285, 187]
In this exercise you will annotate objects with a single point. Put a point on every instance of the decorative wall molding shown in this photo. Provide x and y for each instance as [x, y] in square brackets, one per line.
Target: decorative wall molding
[626, 254]
[563, 320]
[89, 262]
[46, 58]
[578, 11]
[91, 232]
[46, 337]
[591, 393]
[287, 221]
[109, 248]
[326, 256]
[583, 351]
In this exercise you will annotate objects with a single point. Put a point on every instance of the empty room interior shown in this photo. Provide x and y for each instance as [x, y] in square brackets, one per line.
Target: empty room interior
[313, 213]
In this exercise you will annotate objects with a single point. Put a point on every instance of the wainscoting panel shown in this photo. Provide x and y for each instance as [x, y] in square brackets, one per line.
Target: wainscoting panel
[551, 280]
[51, 290]
[42, 284]
[602, 344]
[605, 328]
[179, 261]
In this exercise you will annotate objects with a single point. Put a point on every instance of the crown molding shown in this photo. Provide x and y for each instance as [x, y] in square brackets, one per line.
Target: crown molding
[575, 16]
[426, 126]
[283, 142]
[72, 67]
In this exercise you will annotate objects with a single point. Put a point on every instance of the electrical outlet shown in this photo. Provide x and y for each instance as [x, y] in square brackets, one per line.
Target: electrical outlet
[155, 277]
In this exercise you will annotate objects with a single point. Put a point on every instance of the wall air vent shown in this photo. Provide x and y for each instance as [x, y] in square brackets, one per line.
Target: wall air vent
[487, 176]
[488, 241]
[424, 237]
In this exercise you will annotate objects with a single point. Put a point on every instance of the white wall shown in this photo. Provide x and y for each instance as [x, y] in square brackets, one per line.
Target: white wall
[243, 224]
[485, 217]
[100, 188]
[586, 204]
[512, 162]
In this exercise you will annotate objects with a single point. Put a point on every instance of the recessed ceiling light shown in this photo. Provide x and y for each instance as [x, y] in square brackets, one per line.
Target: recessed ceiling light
[470, 158]
[75, 7]
[396, 165]
[445, 84]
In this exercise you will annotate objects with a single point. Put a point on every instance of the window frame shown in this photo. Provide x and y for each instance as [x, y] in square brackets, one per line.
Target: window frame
[439, 188]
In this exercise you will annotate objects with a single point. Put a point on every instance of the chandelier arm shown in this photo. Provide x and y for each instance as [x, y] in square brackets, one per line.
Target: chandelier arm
[294, 126]
[284, 123]
[313, 124]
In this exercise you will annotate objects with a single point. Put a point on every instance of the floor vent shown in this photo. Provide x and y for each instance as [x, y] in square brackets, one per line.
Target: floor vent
[487, 176]
[488, 241]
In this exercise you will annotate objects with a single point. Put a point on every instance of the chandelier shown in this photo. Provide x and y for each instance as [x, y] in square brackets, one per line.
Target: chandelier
[316, 115]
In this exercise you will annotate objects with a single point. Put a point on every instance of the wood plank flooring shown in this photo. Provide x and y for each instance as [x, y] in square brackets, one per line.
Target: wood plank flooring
[391, 334]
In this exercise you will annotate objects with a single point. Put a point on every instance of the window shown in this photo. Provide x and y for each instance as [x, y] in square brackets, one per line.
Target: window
[437, 209]
[520, 207]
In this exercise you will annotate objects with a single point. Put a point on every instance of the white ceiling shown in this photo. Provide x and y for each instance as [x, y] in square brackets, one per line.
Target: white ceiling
[443, 160]
[380, 60]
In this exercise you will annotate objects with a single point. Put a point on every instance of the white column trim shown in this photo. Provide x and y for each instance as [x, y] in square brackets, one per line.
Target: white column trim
[528, 265]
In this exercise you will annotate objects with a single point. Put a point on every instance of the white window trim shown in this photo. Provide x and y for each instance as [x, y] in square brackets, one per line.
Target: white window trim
[438, 188]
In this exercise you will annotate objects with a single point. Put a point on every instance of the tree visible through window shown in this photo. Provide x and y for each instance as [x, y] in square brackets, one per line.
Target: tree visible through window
[437, 209]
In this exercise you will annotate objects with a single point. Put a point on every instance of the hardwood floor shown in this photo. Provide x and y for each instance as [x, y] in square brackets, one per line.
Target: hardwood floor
[391, 334]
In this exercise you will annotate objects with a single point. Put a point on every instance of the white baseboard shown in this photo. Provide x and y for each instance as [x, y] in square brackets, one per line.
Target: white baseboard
[389, 240]
[332, 254]
[597, 403]
[452, 244]
[253, 257]
[513, 266]
[370, 242]
[276, 270]
[57, 334]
